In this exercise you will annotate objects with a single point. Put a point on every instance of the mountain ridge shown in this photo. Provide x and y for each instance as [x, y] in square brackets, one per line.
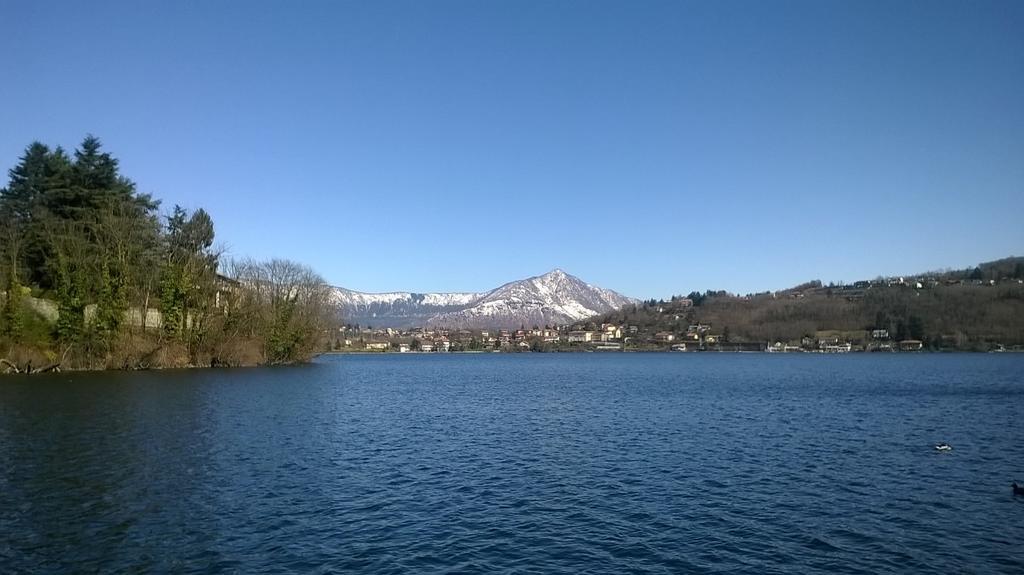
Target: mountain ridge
[555, 297]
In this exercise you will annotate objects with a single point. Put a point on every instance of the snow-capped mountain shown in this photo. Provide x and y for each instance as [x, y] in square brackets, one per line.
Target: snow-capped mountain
[554, 298]
[397, 309]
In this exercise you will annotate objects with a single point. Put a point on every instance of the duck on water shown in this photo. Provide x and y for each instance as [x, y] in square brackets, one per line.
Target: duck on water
[1017, 489]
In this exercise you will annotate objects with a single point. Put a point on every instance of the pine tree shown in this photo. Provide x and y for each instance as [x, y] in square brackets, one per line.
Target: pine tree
[28, 182]
[94, 170]
[38, 172]
[11, 325]
[189, 268]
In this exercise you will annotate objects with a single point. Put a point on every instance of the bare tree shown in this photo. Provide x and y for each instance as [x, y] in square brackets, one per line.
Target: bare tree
[283, 303]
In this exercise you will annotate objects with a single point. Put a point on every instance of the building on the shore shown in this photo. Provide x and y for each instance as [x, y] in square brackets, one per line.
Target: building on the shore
[837, 347]
[911, 345]
[580, 336]
[736, 346]
[611, 330]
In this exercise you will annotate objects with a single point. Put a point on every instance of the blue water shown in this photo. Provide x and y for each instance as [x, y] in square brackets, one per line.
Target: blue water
[532, 463]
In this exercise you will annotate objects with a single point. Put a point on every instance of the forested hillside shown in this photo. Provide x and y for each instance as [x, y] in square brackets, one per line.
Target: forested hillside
[979, 308]
[93, 276]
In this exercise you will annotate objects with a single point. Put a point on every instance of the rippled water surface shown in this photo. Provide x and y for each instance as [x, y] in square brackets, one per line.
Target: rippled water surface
[543, 463]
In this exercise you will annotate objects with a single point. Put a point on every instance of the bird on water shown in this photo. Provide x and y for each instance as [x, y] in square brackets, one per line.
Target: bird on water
[944, 447]
[1017, 489]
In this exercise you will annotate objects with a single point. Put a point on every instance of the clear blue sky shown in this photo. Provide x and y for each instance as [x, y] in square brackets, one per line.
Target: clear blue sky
[649, 147]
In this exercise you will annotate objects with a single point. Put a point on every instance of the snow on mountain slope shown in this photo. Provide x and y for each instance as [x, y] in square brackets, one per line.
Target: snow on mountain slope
[553, 298]
[396, 309]
[343, 296]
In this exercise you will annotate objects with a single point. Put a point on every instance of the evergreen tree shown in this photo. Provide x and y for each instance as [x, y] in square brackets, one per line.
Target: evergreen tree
[11, 324]
[902, 331]
[38, 172]
[189, 268]
[915, 327]
[27, 183]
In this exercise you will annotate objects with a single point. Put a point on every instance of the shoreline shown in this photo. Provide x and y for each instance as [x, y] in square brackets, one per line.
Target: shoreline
[430, 353]
[188, 367]
[696, 352]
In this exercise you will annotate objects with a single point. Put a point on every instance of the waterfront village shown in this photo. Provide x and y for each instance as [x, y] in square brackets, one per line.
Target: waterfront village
[695, 337]
[584, 337]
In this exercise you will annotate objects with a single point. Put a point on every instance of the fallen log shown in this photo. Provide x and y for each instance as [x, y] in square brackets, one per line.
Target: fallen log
[10, 366]
[55, 366]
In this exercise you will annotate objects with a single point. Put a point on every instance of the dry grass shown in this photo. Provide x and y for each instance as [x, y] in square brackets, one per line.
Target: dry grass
[25, 356]
[237, 353]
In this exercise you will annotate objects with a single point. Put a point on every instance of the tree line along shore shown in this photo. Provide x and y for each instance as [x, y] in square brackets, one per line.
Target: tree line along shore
[93, 276]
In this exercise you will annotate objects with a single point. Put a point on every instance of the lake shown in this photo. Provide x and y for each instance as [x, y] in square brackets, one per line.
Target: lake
[520, 463]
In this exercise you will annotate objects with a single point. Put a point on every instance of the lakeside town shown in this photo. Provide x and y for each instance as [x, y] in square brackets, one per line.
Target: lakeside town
[676, 325]
[606, 337]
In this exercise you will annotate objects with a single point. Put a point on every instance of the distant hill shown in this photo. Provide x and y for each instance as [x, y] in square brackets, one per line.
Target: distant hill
[976, 308]
[1011, 267]
[554, 298]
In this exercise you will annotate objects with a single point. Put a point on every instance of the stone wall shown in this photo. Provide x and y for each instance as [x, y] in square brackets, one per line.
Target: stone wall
[133, 317]
[44, 307]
